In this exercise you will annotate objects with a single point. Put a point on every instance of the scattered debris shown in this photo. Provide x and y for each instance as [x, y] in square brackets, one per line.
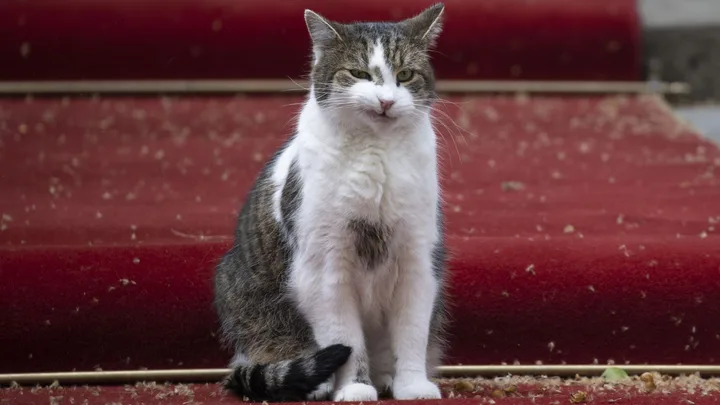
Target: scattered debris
[126, 282]
[199, 237]
[463, 386]
[613, 374]
[512, 186]
[648, 382]
[579, 397]
[498, 393]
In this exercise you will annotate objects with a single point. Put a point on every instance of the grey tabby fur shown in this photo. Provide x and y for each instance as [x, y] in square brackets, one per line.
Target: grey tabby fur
[276, 356]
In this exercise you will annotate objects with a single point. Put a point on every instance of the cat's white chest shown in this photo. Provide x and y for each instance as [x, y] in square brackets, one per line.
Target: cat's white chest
[370, 180]
[381, 184]
[364, 180]
[386, 178]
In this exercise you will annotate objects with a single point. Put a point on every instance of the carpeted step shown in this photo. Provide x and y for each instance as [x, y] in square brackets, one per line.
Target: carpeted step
[188, 39]
[652, 390]
[582, 229]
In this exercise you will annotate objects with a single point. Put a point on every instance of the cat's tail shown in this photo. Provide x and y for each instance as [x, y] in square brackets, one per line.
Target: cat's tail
[288, 380]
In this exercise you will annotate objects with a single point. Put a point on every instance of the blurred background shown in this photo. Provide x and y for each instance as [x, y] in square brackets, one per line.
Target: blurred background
[682, 43]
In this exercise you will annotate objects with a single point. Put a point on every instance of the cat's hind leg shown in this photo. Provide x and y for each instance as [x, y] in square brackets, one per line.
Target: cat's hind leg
[323, 392]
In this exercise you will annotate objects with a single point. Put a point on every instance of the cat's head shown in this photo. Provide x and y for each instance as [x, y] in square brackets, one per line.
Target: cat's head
[378, 72]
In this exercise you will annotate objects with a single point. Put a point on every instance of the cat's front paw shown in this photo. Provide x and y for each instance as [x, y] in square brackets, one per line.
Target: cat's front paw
[356, 392]
[322, 393]
[420, 389]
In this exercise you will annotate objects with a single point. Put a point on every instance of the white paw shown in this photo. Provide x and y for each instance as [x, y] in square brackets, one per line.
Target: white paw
[356, 392]
[322, 393]
[419, 389]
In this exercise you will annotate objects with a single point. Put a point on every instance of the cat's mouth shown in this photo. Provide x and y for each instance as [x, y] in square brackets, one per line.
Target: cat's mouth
[380, 117]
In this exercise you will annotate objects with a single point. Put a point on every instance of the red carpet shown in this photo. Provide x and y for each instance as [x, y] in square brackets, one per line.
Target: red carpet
[510, 391]
[581, 228]
[488, 39]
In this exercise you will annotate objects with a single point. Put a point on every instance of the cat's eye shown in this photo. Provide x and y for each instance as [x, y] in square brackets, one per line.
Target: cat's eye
[360, 74]
[404, 76]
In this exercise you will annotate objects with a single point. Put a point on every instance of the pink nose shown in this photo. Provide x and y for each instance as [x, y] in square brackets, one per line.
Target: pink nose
[386, 104]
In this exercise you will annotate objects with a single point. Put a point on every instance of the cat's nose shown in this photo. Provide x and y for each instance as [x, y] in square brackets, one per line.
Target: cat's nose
[385, 104]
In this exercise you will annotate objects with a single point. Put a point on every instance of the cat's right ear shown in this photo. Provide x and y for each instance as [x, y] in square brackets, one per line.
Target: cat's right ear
[322, 31]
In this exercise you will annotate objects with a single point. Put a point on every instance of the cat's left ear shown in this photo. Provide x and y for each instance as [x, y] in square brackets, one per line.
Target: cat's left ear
[427, 25]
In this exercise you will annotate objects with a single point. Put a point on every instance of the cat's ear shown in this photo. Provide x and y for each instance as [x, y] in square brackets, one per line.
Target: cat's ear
[427, 25]
[322, 31]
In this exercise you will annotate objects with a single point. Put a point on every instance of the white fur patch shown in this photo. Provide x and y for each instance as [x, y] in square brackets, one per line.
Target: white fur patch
[356, 392]
[279, 175]
[417, 390]
[377, 61]
[238, 360]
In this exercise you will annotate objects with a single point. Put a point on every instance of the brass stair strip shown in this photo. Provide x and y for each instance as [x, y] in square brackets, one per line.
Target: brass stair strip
[217, 374]
[288, 85]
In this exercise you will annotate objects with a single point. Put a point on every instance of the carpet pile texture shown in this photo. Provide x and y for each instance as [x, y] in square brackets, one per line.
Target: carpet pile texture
[653, 390]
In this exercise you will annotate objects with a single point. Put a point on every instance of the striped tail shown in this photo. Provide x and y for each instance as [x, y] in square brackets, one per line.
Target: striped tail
[288, 380]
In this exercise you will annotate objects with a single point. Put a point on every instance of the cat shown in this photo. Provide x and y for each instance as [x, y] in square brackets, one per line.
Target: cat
[335, 285]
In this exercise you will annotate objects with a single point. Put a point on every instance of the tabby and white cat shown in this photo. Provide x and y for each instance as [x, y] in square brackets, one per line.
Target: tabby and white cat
[335, 285]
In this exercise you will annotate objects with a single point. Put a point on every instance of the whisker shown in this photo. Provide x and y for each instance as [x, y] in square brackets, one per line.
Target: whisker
[452, 139]
[298, 84]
